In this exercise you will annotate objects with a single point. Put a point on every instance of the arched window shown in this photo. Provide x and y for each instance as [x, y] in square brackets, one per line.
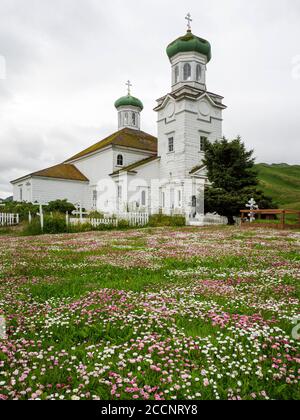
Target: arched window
[120, 160]
[126, 118]
[198, 72]
[133, 119]
[143, 198]
[176, 74]
[187, 71]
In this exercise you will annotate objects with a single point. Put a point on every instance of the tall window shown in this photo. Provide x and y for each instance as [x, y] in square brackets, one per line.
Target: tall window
[95, 199]
[119, 192]
[176, 74]
[163, 200]
[187, 71]
[143, 198]
[198, 72]
[120, 160]
[133, 119]
[203, 140]
[126, 118]
[171, 144]
[21, 194]
[179, 198]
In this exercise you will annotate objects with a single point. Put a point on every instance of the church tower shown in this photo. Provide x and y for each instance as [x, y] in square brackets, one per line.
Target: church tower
[129, 111]
[189, 114]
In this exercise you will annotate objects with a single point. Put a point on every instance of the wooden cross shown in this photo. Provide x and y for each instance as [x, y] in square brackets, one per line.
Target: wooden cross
[189, 20]
[129, 85]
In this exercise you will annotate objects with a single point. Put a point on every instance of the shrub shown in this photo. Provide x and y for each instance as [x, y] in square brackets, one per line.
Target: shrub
[96, 215]
[20, 208]
[123, 224]
[61, 206]
[55, 224]
[160, 220]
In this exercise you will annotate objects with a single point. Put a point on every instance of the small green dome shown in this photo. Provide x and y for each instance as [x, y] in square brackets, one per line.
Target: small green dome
[189, 43]
[129, 101]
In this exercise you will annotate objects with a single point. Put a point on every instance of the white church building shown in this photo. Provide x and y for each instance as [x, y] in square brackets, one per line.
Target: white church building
[133, 171]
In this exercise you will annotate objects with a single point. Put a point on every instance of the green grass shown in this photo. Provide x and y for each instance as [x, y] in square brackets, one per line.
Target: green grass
[282, 183]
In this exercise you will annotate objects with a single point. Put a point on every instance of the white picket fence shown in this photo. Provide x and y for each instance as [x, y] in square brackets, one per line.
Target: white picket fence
[9, 219]
[134, 220]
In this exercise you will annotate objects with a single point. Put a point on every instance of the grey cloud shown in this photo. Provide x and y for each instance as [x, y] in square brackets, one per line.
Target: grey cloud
[68, 60]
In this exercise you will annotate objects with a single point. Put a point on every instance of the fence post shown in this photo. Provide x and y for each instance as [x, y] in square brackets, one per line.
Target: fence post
[67, 218]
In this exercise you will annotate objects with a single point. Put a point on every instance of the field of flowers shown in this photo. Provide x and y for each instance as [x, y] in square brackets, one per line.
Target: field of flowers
[160, 314]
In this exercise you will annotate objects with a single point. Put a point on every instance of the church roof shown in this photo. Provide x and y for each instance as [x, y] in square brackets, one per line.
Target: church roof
[133, 166]
[129, 101]
[189, 43]
[61, 171]
[191, 93]
[126, 137]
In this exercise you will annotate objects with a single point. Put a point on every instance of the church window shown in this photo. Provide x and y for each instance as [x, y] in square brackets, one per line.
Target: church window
[176, 74]
[21, 194]
[143, 198]
[126, 118]
[203, 140]
[179, 198]
[120, 160]
[171, 145]
[187, 72]
[119, 192]
[198, 72]
[95, 198]
[163, 200]
[134, 119]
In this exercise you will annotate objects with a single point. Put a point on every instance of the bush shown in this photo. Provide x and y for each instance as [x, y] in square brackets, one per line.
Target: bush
[61, 206]
[55, 224]
[96, 215]
[123, 224]
[160, 220]
[20, 208]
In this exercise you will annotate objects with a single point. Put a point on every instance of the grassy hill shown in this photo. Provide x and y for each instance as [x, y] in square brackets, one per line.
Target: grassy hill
[282, 182]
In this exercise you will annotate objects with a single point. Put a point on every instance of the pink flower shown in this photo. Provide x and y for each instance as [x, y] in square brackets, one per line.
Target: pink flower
[206, 382]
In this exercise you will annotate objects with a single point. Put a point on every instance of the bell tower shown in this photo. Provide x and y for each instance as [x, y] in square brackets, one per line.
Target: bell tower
[129, 110]
[189, 114]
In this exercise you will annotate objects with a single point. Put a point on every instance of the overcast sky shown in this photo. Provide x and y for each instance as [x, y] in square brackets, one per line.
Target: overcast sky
[67, 61]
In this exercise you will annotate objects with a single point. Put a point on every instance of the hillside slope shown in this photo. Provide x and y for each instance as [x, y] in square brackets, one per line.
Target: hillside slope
[282, 183]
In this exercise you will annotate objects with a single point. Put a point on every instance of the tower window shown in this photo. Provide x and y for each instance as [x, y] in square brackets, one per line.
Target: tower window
[171, 144]
[176, 74]
[203, 141]
[120, 160]
[133, 119]
[187, 71]
[126, 118]
[198, 72]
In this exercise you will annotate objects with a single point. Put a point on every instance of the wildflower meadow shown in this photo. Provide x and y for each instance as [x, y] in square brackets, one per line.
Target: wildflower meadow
[151, 314]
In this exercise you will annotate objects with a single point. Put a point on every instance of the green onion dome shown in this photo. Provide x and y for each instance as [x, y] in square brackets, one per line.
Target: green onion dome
[189, 43]
[129, 101]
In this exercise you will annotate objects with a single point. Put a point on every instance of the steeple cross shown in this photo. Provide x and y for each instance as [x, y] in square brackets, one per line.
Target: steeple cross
[189, 20]
[129, 85]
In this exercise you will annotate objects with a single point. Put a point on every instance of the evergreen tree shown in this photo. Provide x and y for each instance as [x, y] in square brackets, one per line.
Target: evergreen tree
[233, 179]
